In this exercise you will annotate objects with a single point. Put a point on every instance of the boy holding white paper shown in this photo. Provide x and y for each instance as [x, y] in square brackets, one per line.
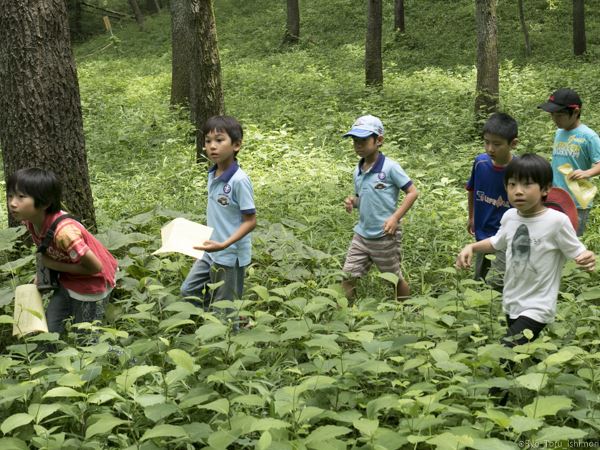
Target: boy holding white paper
[230, 212]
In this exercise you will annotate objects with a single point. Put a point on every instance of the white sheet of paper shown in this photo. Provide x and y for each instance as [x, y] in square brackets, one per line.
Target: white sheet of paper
[180, 235]
[29, 312]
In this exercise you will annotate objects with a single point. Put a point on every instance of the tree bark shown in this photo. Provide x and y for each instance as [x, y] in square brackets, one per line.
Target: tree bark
[183, 50]
[524, 28]
[373, 63]
[487, 90]
[399, 16]
[137, 12]
[579, 41]
[206, 95]
[40, 107]
[292, 29]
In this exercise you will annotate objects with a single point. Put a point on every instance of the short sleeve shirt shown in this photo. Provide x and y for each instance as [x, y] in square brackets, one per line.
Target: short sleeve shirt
[490, 200]
[229, 197]
[579, 147]
[536, 250]
[377, 190]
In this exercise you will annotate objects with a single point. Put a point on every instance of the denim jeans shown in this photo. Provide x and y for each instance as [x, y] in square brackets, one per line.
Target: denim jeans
[62, 306]
[583, 216]
[206, 271]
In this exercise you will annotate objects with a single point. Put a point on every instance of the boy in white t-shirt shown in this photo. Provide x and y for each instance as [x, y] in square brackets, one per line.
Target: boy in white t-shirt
[537, 240]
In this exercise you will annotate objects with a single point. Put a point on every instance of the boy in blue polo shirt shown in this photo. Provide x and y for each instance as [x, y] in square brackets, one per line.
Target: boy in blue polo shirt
[377, 183]
[487, 197]
[574, 143]
[230, 212]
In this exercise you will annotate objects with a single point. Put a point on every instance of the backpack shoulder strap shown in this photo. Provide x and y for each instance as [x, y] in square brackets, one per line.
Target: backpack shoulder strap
[49, 236]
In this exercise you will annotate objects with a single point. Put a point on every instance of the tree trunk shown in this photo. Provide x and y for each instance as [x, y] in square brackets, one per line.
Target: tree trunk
[399, 16]
[77, 30]
[182, 48]
[206, 95]
[153, 6]
[579, 42]
[524, 28]
[137, 12]
[486, 95]
[292, 30]
[40, 108]
[373, 64]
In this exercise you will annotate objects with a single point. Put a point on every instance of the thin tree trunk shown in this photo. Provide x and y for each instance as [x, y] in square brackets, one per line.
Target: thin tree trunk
[152, 6]
[183, 49]
[524, 28]
[77, 31]
[137, 12]
[40, 107]
[579, 41]
[292, 30]
[373, 63]
[206, 87]
[487, 90]
[399, 16]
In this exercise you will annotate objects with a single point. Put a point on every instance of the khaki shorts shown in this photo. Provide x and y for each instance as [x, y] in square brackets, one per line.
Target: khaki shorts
[384, 252]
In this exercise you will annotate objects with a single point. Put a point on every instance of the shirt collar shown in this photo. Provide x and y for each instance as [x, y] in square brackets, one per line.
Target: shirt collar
[377, 167]
[226, 176]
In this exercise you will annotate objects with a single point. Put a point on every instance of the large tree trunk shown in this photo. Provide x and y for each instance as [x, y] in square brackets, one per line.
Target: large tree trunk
[524, 28]
[373, 64]
[182, 39]
[399, 16]
[40, 108]
[292, 29]
[137, 12]
[579, 42]
[206, 95]
[486, 95]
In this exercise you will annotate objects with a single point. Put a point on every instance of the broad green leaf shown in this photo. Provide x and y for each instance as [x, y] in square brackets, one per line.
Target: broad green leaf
[171, 323]
[114, 240]
[557, 434]
[12, 443]
[388, 439]
[164, 430]
[17, 264]
[493, 444]
[41, 411]
[391, 277]
[104, 425]
[249, 400]
[261, 291]
[562, 356]
[316, 382]
[221, 406]
[221, 439]
[268, 424]
[129, 376]
[63, 392]
[211, 330]
[383, 402]
[71, 380]
[15, 421]
[366, 427]
[325, 343]
[265, 441]
[182, 359]
[360, 336]
[547, 406]
[308, 412]
[158, 412]
[533, 381]
[326, 433]
[104, 395]
[449, 441]
[521, 424]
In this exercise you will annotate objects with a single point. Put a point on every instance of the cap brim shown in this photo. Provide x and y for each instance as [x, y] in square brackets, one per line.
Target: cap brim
[561, 200]
[551, 107]
[360, 133]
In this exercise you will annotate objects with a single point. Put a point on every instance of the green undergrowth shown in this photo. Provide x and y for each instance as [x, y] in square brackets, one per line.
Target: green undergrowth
[306, 369]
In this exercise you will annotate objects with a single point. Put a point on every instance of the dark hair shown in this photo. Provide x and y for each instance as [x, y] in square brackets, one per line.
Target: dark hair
[42, 185]
[503, 125]
[227, 124]
[529, 167]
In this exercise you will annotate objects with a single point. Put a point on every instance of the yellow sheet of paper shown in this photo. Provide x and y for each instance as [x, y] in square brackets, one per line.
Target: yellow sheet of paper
[29, 311]
[180, 235]
[583, 190]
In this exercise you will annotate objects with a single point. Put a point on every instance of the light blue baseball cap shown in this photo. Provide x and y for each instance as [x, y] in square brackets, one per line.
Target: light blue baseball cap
[365, 126]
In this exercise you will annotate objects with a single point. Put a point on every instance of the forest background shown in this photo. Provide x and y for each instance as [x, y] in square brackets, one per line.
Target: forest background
[312, 370]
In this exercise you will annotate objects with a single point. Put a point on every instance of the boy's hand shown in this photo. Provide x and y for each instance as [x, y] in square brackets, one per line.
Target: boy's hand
[578, 175]
[390, 226]
[587, 261]
[210, 246]
[471, 227]
[464, 258]
[349, 204]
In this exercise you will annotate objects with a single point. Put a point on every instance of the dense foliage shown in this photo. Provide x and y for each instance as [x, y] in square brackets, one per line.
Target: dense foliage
[309, 370]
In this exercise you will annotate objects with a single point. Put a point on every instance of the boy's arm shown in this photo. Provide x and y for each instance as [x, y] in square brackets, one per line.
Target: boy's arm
[465, 257]
[350, 203]
[248, 224]
[591, 172]
[586, 260]
[88, 264]
[391, 224]
[471, 206]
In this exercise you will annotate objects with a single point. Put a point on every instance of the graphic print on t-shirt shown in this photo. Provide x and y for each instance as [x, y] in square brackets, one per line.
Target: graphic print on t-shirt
[521, 251]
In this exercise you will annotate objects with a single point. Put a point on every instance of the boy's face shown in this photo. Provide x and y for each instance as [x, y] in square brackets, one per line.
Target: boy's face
[22, 207]
[526, 195]
[367, 147]
[498, 148]
[219, 148]
[566, 120]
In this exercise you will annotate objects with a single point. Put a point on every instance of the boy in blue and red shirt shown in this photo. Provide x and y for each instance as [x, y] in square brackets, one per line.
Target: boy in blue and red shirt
[487, 196]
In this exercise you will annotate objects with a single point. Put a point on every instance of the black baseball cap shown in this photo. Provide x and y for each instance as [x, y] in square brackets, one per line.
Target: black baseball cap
[563, 98]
